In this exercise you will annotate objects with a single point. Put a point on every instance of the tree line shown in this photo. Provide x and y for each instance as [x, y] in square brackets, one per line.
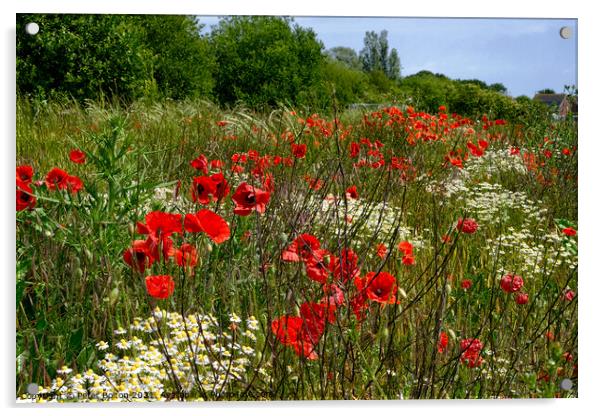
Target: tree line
[258, 61]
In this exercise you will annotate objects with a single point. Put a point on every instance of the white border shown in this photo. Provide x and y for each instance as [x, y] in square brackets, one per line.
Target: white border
[590, 231]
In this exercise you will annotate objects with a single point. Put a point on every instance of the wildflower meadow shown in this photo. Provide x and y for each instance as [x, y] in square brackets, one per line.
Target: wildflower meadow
[177, 250]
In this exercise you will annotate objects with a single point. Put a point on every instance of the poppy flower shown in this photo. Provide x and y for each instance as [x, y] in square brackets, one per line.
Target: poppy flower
[57, 179]
[299, 150]
[302, 247]
[344, 266]
[287, 329]
[25, 174]
[359, 303]
[139, 256]
[511, 283]
[200, 163]
[381, 287]
[406, 248]
[569, 231]
[222, 189]
[203, 189]
[333, 295]
[24, 196]
[77, 156]
[354, 149]
[316, 266]
[159, 223]
[186, 255]
[74, 184]
[208, 222]
[381, 250]
[522, 298]
[160, 287]
[408, 260]
[466, 284]
[248, 198]
[315, 316]
[471, 350]
[467, 225]
[569, 295]
[351, 192]
[443, 342]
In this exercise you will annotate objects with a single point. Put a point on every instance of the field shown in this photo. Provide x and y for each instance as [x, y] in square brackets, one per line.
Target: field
[177, 251]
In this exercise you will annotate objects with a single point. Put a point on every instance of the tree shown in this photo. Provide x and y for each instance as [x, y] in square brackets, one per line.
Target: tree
[347, 56]
[546, 91]
[375, 55]
[264, 60]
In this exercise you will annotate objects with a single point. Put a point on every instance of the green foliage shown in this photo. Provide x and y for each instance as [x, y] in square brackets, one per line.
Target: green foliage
[546, 91]
[119, 56]
[347, 56]
[375, 55]
[264, 60]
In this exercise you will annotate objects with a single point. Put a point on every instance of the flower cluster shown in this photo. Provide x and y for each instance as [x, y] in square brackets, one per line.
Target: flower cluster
[167, 356]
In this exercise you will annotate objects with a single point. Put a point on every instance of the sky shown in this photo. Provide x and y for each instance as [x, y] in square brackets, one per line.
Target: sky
[526, 55]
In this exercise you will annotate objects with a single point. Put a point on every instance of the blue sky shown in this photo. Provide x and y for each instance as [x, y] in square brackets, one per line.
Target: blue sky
[526, 55]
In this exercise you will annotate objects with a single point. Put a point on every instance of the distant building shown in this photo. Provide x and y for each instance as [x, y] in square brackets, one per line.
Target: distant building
[562, 104]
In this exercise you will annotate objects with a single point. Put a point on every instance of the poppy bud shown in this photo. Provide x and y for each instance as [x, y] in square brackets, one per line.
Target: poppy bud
[209, 247]
[79, 273]
[448, 288]
[452, 334]
[76, 262]
[403, 293]
[89, 255]
[113, 296]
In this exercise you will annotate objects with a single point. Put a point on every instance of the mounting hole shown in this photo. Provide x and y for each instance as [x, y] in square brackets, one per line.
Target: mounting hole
[32, 28]
[565, 32]
[566, 384]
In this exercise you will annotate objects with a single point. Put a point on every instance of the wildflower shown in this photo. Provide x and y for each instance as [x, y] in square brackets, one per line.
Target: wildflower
[333, 295]
[139, 256]
[208, 222]
[354, 149]
[222, 189]
[25, 174]
[24, 196]
[186, 255]
[467, 225]
[381, 287]
[522, 298]
[351, 192]
[77, 156]
[57, 179]
[471, 350]
[200, 163]
[299, 150]
[248, 198]
[466, 284]
[160, 287]
[302, 247]
[381, 250]
[569, 295]
[569, 231]
[443, 341]
[101, 345]
[408, 260]
[203, 189]
[511, 283]
[316, 266]
[344, 266]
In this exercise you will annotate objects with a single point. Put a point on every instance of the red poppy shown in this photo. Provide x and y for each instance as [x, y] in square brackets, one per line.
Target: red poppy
[351, 192]
[359, 303]
[160, 224]
[208, 222]
[344, 266]
[302, 247]
[381, 287]
[466, 284]
[467, 225]
[57, 179]
[315, 316]
[408, 260]
[522, 298]
[160, 287]
[24, 196]
[287, 329]
[381, 250]
[316, 266]
[406, 248]
[25, 174]
[249, 198]
[299, 150]
[511, 283]
[139, 256]
[200, 163]
[74, 184]
[333, 295]
[569, 231]
[443, 342]
[354, 149]
[471, 350]
[222, 189]
[514, 151]
[77, 156]
[569, 295]
[186, 255]
[203, 189]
